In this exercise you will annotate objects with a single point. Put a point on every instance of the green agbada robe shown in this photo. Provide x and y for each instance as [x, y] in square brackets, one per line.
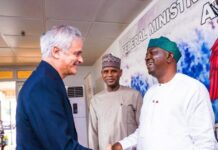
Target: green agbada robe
[113, 116]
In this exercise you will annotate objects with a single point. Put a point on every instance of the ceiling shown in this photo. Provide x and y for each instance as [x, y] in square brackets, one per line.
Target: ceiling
[100, 21]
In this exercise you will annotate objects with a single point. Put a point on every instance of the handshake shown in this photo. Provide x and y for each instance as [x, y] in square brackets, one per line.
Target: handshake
[116, 146]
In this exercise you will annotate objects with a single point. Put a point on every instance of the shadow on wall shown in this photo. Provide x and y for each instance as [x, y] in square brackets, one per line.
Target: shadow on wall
[99, 85]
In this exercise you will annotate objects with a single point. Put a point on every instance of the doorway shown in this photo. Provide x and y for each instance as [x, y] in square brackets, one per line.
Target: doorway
[8, 105]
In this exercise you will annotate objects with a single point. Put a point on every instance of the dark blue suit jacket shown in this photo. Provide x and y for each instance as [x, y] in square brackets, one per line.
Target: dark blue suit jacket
[44, 118]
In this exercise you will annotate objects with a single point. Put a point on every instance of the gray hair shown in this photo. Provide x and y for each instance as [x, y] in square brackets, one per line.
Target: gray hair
[60, 36]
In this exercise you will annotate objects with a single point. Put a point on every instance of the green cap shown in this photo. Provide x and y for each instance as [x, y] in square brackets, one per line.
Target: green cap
[167, 45]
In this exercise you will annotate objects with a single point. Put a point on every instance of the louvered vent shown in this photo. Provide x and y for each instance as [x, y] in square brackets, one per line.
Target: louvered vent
[75, 91]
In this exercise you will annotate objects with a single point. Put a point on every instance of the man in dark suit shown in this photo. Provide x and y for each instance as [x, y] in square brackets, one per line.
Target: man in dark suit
[44, 117]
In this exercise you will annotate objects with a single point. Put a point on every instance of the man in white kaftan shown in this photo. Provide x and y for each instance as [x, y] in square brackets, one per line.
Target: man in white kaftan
[114, 112]
[176, 113]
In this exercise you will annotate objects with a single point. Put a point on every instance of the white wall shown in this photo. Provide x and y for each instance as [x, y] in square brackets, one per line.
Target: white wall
[78, 79]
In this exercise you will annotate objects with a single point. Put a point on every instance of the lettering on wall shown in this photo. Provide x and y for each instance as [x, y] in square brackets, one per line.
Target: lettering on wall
[209, 11]
[169, 14]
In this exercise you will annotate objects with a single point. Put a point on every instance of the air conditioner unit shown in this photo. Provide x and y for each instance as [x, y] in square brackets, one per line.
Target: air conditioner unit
[75, 91]
[78, 104]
